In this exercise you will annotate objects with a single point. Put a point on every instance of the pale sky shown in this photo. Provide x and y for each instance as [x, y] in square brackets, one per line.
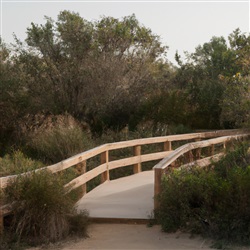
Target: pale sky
[182, 25]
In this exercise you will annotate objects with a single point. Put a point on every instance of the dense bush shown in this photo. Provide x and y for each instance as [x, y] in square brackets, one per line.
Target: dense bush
[214, 201]
[59, 143]
[42, 212]
[17, 163]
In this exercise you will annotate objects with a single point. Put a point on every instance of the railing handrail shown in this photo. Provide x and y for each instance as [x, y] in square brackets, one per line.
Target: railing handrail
[194, 145]
[167, 155]
[76, 159]
[159, 168]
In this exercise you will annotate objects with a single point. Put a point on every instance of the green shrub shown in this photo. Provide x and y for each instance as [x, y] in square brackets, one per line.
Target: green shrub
[17, 163]
[212, 201]
[41, 210]
[59, 143]
[78, 223]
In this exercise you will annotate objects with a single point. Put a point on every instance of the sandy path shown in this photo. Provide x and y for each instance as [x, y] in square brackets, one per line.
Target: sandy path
[122, 236]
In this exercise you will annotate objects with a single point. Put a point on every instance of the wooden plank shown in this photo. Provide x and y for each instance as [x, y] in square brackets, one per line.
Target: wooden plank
[118, 145]
[137, 166]
[113, 165]
[194, 145]
[105, 160]
[170, 157]
[124, 144]
[137, 159]
[80, 180]
[124, 162]
[81, 169]
[203, 162]
[152, 140]
[167, 146]
[197, 151]
[77, 159]
[155, 156]
[211, 150]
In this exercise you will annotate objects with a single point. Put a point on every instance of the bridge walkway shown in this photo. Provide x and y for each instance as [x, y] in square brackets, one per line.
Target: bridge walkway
[129, 197]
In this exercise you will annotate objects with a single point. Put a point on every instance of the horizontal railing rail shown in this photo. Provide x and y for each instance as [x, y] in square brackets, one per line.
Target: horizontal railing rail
[187, 150]
[106, 164]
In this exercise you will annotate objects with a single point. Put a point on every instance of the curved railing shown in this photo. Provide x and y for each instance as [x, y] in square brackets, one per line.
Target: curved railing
[106, 164]
[191, 154]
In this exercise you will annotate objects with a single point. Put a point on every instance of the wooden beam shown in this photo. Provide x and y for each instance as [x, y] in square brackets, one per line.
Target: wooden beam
[81, 169]
[203, 162]
[211, 150]
[167, 146]
[74, 160]
[197, 151]
[105, 160]
[137, 166]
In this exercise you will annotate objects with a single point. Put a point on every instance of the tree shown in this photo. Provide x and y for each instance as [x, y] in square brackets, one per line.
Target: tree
[201, 78]
[236, 102]
[240, 44]
[90, 69]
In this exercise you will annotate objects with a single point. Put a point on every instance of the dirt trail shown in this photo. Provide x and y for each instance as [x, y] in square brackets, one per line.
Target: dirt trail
[123, 236]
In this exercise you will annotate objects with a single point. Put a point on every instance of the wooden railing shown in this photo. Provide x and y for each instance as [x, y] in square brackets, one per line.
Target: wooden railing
[106, 165]
[191, 156]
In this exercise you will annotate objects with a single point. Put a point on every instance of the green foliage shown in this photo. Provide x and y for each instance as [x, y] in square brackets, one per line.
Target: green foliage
[59, 143]
[96, 70]
[78, 223]
[14, 98]
[235, 104]
[209, 80]
[240, 44]
[213, 201]
[42, 212]
[92, 70]
[167, 107]
[17, 163]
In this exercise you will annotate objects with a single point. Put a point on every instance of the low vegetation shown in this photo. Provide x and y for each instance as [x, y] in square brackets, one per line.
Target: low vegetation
[58, 143]
[17, 163]
[213, 201]
[41, 210]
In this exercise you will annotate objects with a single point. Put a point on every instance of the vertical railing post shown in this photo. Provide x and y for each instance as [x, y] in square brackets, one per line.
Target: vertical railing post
[105, 159]
[81, 169]
[189, 157]
[167, 146]
[211, 150]
[137, 166]
[225, 146]
[197, 151]
[229, 145]
[157, 186]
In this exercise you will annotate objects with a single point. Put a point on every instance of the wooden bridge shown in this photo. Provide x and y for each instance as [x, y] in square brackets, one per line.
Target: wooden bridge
[133, 197]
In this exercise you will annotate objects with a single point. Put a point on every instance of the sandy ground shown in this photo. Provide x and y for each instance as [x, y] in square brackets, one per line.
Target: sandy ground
[124, 236]
[128, 197]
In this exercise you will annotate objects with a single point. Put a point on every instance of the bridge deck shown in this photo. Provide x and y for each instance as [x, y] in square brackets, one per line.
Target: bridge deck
[129, 197]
